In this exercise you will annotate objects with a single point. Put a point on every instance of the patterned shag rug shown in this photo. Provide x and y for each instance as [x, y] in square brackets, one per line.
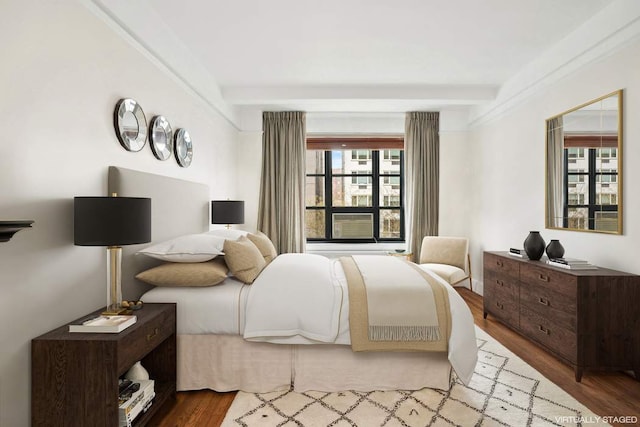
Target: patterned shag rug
[504, 391]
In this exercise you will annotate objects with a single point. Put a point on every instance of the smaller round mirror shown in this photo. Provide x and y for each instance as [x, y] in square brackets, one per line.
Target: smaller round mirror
[183, 148]
[130, 124]
[160, 137]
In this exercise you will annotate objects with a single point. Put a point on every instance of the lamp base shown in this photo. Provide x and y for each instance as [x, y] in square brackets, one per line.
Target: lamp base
[114, 274]
[114, 311]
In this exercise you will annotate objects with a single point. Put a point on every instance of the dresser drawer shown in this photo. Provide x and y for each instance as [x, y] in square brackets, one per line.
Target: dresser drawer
[501, 265]
[555, 281]
[561, 341]
[557, 308]
[499, 282]
[502, 303]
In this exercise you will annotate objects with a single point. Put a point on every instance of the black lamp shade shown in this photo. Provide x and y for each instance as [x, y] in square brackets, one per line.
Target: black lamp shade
[111, 221]
[227, 212]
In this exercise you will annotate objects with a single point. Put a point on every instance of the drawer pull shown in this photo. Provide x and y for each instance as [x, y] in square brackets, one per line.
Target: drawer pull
[500, 306]
[153, 334]
[543, 329]
[543, 277]
[543, 301]
[499, 264]
[500, 282]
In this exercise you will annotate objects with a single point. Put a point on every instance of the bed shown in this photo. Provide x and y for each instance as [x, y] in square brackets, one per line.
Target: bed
[212, 352]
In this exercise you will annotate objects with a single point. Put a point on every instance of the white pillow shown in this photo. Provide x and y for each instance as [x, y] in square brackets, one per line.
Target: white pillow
[190, 248]
[228, 233]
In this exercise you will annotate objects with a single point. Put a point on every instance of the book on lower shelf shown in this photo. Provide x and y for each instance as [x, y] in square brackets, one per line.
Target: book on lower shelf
[104, 324]
[571, 264]
[138, 403]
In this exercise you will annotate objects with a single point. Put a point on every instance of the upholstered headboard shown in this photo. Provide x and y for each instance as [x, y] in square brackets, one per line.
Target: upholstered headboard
[178, 207]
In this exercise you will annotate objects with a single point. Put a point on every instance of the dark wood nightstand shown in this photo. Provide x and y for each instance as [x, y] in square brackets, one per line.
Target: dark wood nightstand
[74, 376]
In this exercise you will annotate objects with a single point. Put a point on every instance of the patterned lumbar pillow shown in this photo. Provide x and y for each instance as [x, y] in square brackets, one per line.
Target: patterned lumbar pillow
[244, 259]
[181, 274]
[265, 245]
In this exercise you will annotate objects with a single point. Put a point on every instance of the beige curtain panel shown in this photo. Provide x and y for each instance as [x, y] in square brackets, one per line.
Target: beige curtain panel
[422, 177]
[281, 211]
[555, 171]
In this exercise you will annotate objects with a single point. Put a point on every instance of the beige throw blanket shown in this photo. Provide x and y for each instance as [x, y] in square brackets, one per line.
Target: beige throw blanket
[395, 306]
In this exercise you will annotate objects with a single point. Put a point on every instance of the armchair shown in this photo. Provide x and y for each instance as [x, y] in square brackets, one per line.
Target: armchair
[448, 257]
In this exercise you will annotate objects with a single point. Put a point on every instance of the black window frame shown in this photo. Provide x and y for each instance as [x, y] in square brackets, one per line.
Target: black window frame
[376, 176]
[590, 176]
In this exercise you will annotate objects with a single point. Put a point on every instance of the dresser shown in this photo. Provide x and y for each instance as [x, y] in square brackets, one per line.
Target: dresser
[588, 318]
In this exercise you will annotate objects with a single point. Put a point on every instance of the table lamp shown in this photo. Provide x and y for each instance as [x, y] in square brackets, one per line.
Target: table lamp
[112, 222]
[227, 212]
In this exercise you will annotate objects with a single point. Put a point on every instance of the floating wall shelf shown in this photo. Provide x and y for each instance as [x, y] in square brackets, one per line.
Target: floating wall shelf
[9, 228]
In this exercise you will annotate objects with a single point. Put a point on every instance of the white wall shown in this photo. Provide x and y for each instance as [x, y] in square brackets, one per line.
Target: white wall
[63, 70]
[508, 167]
[250, 167]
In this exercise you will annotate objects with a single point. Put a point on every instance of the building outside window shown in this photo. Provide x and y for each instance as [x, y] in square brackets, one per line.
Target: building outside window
[591, 188]
[354, 189]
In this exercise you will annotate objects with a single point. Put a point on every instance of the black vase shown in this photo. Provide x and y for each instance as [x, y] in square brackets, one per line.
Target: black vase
[534, 245]
[555, 249]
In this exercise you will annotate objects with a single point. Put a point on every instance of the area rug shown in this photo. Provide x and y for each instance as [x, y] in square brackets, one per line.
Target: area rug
[504, 391]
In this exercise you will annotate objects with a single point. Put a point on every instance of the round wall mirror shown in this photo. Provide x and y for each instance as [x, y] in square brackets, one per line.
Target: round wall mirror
[130, 124]
[160, 137]
[183, 148]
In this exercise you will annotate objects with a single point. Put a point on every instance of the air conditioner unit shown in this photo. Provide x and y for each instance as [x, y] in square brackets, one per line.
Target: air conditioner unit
[352, 226]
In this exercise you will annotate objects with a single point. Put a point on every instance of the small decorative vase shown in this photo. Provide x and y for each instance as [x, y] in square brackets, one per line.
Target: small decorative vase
[137, 372]
[534, 245]
[555, 249]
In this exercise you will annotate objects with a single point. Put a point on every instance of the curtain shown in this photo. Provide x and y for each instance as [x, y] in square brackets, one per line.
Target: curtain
[281, 209]
[555, 171]
[422, 182]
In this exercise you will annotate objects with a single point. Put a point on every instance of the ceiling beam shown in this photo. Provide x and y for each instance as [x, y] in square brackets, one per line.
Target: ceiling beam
[440, 94]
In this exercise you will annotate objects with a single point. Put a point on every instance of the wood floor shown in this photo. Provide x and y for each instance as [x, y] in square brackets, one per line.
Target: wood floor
[605, 393]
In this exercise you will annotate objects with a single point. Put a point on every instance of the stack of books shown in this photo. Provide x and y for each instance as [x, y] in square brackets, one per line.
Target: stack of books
[520, 253]
[571, 264]
[138, 403]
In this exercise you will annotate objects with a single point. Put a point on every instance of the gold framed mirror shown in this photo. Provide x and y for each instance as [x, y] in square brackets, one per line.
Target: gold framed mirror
[583, 189]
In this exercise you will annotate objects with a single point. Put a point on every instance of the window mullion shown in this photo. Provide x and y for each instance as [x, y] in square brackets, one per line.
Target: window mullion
[592, 188]
[402, 194]
[328, 195]
[375, 192]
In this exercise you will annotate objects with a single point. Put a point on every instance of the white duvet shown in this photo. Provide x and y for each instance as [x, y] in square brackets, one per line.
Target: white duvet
[303, 299]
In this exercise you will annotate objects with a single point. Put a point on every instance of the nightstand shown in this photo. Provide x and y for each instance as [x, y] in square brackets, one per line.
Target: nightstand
[74, 376]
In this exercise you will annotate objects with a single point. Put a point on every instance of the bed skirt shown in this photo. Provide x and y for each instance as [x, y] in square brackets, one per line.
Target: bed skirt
[228, 362]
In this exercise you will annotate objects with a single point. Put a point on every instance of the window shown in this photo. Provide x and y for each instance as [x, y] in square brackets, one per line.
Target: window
[591, 188]
[354, 189]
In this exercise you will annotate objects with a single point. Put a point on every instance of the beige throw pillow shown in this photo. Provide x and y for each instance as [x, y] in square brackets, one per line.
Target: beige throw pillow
[186, 274]
[244, 259]
[265, 245]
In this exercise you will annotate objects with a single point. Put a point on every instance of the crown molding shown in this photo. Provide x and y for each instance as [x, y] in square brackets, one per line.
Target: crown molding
[433, 94]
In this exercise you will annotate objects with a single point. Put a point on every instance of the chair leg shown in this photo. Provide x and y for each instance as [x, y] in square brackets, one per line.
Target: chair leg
[470, 279]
